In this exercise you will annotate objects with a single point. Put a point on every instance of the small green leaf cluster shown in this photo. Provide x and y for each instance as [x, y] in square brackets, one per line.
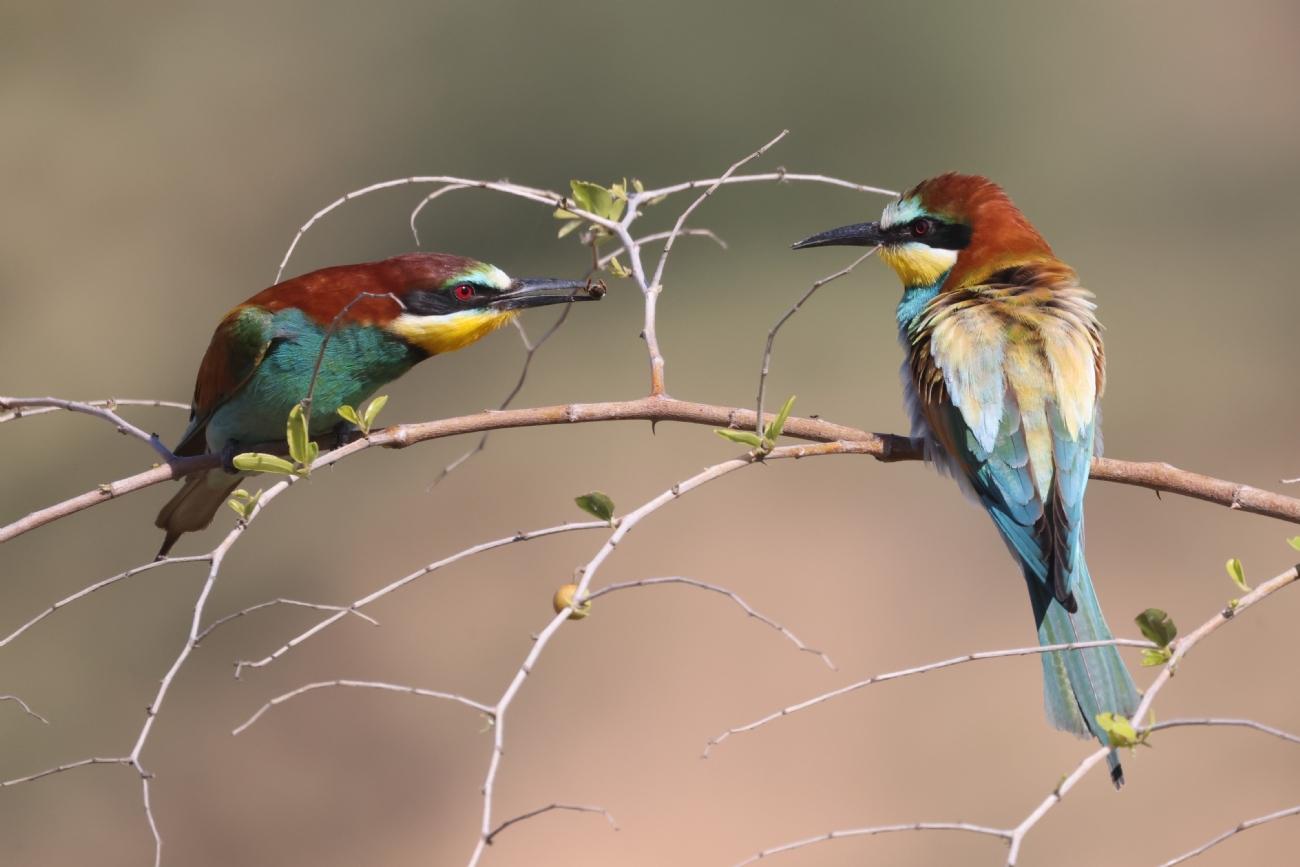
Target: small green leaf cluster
[363, 422]
[1159, 629]
[301, 449]
[1120, 732]
[605, 203]
[598, 504]
[244, 503]
[767, 441]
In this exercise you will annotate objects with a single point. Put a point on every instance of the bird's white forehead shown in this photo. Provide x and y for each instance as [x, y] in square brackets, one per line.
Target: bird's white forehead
[489, 274]
[900, 211]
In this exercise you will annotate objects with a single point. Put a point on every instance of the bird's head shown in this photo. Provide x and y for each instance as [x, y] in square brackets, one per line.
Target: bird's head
[452, 302]
[435, 302]
[961, 226]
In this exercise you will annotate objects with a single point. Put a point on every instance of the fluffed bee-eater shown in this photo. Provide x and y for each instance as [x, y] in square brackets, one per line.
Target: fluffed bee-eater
[1003, 375]
[385, 317]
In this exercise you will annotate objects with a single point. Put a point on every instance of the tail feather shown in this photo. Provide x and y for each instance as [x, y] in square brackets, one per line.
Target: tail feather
[1080, 684]
[194, 506]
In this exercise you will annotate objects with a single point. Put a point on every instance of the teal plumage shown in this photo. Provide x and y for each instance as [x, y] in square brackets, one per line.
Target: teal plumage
[1004, 371]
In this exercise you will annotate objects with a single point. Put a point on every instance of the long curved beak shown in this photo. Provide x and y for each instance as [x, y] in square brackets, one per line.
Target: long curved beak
[528, 292]
[857, 235]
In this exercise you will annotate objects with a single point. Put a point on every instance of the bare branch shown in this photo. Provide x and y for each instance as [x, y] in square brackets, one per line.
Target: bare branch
[648, 582]
[24, 706]
[771, 334]
[1019, 832]
[103, 411]
[111, 403]
[508, 822]
[93, 587]
[410, 690]
[125, 760]
[1210, 721]
[882, 829]
[313, 605]
[530, 349]
[1244, 826]
[659, 236]
[907, 672]
[779, 177]
[384, 591]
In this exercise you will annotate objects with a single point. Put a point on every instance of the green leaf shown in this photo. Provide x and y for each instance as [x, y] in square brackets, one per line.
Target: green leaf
[598, 504]
[1119, 730]
[372, 411]
[597, 200]
[561, 214]
[1156, 626]
[640, 187]
[1294, 542]
[778, 424]
[1155, 657]
[1237, 574]
[243, 503]
[569, 227]
[260, 463]
[616, 268]
[349, 414]
[744, 437]
[297, 435]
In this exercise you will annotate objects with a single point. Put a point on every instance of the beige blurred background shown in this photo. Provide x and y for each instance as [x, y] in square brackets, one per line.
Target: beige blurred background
[155, 160]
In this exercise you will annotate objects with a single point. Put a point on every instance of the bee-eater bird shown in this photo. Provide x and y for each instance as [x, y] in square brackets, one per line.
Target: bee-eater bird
[386, 317]
[1002, 379]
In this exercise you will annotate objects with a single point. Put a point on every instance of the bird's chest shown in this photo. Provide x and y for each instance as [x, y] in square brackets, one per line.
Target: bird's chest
[357, 361]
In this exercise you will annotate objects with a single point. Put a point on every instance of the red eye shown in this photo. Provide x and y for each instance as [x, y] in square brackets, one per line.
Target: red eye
[464, 292]
[920, 227]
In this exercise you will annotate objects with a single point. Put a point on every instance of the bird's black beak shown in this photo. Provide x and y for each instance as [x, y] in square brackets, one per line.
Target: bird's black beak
[857, 235]
[539, 291]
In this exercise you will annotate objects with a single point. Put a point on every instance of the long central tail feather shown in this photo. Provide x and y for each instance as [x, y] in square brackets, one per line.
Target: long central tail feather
[1080, 684]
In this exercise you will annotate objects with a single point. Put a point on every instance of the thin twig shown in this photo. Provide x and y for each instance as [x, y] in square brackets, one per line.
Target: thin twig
[111, 403]
[313, 605]
[659, 236]
[125, 760]
[779, 177]
[907, 672]
[882, 829]
[167, 561]
[508, 822]
[1244, 826]
[649, 582]
[384, 591]
[410, 690]
[24, 706]
[102, 411]
[771, 334]
[681, 218]
[320, 356]
[530, 349]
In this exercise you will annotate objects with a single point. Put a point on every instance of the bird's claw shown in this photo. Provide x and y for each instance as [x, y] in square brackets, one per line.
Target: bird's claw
[228, 452]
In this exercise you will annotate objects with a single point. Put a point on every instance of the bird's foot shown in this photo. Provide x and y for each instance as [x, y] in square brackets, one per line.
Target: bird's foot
[228, 453]
[343, 433]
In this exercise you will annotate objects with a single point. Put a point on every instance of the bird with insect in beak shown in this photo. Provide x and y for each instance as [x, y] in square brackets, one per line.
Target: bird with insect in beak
[375, 321]
[1003, 375]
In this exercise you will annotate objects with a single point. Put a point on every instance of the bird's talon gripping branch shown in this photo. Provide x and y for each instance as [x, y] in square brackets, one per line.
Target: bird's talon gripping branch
[229, 451]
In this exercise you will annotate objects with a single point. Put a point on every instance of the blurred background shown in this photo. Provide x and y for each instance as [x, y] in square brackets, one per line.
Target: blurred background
[155, 161]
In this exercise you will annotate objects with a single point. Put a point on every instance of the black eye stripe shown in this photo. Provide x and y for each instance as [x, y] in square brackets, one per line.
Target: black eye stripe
[444, 300]
[938, 234]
